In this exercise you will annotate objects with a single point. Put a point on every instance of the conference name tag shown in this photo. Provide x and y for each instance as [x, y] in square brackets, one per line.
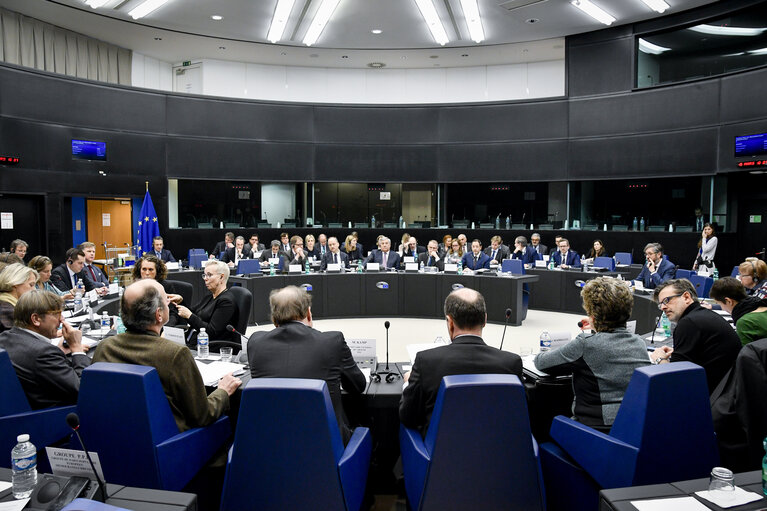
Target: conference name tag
[114, 288]
[174, 334]
[409, 259]
[334, 267]
[70, 462]
[294, 268]
[274, 260]
[451, 267]
[171, 266]
[373, 267]
[411, 266]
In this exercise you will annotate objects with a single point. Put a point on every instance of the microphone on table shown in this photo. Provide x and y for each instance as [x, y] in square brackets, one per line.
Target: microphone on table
[389, 376]
[230, 328]
[508, 315]
[654, 328]
[243, 351]
[386, 326]
[73, 421]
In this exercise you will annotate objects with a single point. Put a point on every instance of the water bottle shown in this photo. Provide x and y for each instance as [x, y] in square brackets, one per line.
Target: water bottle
[764, 468]
[24, 465]
[551, 263]
[715, 275]
[634, 224]
[78, 300]
[306, 267]
[498, 222]
[641, 224]
[271, 267]
[119, 327]
[105, 323]
[665, 324]
[401, 221]
[421, 269]
[202, 344]
[545, 341]
[460, 267]
[359, 267]
[508, 223]
[373, 222]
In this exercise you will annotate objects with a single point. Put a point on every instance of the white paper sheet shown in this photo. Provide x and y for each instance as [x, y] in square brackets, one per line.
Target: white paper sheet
[13, 505]
[737, 497]
[214, 371]
[527, 363]
[672, 504]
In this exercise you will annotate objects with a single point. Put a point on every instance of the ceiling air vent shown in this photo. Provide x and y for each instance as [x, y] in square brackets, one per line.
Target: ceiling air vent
[511, 5]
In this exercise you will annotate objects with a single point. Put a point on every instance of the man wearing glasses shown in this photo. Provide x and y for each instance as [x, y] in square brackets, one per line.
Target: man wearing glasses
[657, 269]
[701, 335]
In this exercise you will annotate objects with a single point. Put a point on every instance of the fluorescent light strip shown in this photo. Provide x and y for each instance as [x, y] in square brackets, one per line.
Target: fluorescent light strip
[656, 5]
[145, 8]
[320, 20]
[96, 3]
[594, 11]
[429, 14]
[648, 47]
[760, 51]
[280, 20]
[473, 20]
[733, 31]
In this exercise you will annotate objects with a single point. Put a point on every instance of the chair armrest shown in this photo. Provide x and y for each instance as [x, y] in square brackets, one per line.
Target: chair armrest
[180, 457]
[415, 463]
[353, 467]
[610, 462]
[44, 427]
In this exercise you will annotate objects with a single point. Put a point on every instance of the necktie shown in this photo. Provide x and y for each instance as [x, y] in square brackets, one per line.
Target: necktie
[335, 258]
[494, 251]
[159, 255]
[93, 273]
[476, 259]
[383, 259]
[431, 258]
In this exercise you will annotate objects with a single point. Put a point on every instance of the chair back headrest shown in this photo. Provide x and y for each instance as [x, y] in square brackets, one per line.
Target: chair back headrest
[623, 258]
[286, 429]
[249, 266]
[514, 266]
[481, 446]
[604, 262]
[13, 400]
[179, 287]
[243, 299]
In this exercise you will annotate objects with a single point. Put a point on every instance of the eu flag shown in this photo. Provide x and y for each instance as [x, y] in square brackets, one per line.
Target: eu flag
[147, 226]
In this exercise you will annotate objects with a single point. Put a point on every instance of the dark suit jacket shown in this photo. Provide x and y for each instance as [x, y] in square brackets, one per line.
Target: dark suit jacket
[101, 280]
[165, 255]
[666, 271]
[327, 259]
[483, 262]
[541, 249]
[528, 256]
[468, 354]
[572, 259]
[501, 254]
[213, 314]
[258, 248]
[48, 377]
[267, 254]
[425, 259]
[420, 249]
[392, 260]
[355, 254]
[294, 350]
[219, 248]
[60, 279]
[229, 254]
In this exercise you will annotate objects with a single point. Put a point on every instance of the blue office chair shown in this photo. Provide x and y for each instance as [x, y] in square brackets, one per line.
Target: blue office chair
[126, 418]
[623, 258]
[45, 427]
[196, 260]
[478, 452]
[513, 266]
[604, 262]
[684, 274]
[90, 505]
[735, 271]
[667, 400]
[702, 284]
[288, 452]
[247, 266]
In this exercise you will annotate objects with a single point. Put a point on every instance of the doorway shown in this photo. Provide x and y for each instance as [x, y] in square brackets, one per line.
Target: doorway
[109, 221]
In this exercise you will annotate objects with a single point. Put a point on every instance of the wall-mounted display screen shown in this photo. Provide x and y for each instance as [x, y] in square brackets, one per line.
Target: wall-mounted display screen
[89, 150]
[750, 145]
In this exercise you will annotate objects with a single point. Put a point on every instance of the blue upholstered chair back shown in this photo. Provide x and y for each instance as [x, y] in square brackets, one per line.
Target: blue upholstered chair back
[604, 262]
[684, 274]
[124, 415]
[482, 451]
[702, 285]
[735, 271]
[623, 258]
[514, 266]
[196, 260]
[12, 398]
[249, 266]
[286, 448]
[660, 399]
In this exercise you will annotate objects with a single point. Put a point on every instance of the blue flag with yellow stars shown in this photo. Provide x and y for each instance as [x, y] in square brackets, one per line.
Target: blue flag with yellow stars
[148, 227]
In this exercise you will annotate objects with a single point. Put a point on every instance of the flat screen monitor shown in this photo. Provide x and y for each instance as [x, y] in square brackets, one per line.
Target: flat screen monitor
[89, 150]
[751, 145]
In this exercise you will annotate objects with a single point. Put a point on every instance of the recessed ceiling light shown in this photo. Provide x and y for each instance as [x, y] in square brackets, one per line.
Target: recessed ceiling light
[314, 55]
[464, 55]
[321, 18]
[216, 17]
[376, 65]
[158, 38]
[433, 21]
[283, 53]
[96, 3]
[473, 20]
[279, 20]
[656, 5]
[376, 31]
[532, 21]
[222, 47]
[433, 56]
[344, 56]
[404, 57]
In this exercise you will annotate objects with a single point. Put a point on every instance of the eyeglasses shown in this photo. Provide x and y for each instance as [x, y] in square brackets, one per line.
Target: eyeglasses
[666, 300]
[206, 276]
[743, 275]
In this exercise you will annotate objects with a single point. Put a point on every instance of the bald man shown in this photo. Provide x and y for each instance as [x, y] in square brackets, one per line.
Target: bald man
[144, 311]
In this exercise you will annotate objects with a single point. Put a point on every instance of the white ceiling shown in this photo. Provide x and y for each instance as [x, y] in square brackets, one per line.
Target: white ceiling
[183, 30]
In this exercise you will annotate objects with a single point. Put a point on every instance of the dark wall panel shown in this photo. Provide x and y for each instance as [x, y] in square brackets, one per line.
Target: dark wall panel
[370, 125]
[533, 161]
[72, 102]
[375, 163]
[691, 152]
[194, 116]
[599, 67]
[228, 159]
[744, 96]
[682, 107]
[500, 123]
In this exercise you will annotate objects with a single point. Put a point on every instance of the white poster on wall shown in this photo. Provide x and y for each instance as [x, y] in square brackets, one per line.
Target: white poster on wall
[106, 219]
[6, 220]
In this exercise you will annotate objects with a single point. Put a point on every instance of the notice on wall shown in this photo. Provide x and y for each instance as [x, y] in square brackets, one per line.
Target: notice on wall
[6, 220]
[106, 219]
[385, 196]
[69, 462]
[78, 225]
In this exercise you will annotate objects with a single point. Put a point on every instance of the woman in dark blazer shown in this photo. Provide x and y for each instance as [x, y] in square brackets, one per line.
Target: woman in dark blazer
[215, 310]
[352, 249]
[152, 267]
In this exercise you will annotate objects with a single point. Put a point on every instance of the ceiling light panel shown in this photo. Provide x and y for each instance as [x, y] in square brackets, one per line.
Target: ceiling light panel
[652, 49]
[96, 3]
[320, 20]
[473, 20]
[146, 8]
[656, 5]
[594, 11]
[279, 20]
[432, 20]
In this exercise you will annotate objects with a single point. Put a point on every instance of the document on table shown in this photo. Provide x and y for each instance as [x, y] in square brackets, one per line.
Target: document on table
[671, 504]
[527, 363]
[214, 371]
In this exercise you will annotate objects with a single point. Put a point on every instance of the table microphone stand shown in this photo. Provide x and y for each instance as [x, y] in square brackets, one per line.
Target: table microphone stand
[386, 374]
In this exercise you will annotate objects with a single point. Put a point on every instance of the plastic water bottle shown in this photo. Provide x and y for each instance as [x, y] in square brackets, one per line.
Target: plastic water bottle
[508, 223]
[105, 323]
[202, 344]
[460, 267]
[271, 267]
[78, 300]
[545, 341]
[373, 222]
[421, 269]
[24, 465]
[551, 263]
[498, 222]
[119, 327]
[665, 324]
[641, 224]
[764, 468]
[401, 221]
[715, 275]
[306, 267]
[634, 224]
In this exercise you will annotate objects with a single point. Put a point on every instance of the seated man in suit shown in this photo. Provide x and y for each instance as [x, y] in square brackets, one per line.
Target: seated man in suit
[524, 251]
[463, 241]
[48, 373]
[284, 243]
[334, 255]
[539, 248]
[657, 269]
[413, 248]
[322, 244]
[221, 246]
[296, 350]
[497, 250]
[476, 259]
[19, 247]
[384, 256]
[466, 315]
[162, 253]
[431, 257]
[93, 273]
[232, 256]
[65, 276]
[144, 311]
[296, 254]
[255, 246]
[564, 257]
[274, 252]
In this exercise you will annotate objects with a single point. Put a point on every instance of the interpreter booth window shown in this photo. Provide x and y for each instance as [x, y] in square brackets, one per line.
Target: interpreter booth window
[486, 204]
[717, 46]
[205, 204]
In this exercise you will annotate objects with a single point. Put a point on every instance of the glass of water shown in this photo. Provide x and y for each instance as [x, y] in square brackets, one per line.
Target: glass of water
[721, 481]
[226, 354]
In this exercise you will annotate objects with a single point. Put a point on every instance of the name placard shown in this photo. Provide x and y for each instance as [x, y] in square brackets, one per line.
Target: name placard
[294, 268]
[373, 267]
[69, 462]
[451, 268]
[333, 268]
[411, 266]
[174, 334]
